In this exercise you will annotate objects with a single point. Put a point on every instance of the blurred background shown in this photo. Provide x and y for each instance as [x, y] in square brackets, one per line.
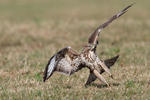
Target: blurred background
[31, 31]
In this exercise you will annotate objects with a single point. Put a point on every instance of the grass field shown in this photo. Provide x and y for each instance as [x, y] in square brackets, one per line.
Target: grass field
[31, 31]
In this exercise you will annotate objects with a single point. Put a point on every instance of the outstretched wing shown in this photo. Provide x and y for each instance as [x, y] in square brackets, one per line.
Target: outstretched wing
[93, 39]
[108, 63]
[66, 54]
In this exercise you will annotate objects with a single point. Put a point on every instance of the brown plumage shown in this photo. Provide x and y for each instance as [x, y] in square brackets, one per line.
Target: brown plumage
[68, 61]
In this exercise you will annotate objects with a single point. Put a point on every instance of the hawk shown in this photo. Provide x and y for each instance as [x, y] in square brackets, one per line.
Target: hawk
[68, 61]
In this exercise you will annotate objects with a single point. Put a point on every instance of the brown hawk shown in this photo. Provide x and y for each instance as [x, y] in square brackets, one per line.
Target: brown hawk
[68, 61]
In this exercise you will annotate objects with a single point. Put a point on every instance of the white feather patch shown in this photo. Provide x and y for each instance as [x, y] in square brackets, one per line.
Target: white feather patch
[51, 66]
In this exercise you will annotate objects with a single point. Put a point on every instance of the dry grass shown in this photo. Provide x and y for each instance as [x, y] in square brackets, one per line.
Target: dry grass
[32, 31]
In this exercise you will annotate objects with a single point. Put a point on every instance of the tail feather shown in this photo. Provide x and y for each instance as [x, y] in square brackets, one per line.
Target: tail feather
[111, 61]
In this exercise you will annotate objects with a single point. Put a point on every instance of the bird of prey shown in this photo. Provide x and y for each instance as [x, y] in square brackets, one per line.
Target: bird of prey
[68, 61]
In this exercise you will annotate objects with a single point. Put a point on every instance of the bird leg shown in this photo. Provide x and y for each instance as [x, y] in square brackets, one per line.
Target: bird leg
[100, 77]
[108, 62]
[102, 64]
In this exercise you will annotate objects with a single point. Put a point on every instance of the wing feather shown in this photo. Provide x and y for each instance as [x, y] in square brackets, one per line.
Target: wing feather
[93, 39]
[49, 68]
[59, 62]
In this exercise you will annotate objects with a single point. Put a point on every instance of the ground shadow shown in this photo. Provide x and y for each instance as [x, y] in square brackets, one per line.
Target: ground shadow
[102, 85]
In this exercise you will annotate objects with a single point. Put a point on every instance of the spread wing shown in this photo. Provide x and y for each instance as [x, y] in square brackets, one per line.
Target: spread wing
[93, 39]
[61, 59]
